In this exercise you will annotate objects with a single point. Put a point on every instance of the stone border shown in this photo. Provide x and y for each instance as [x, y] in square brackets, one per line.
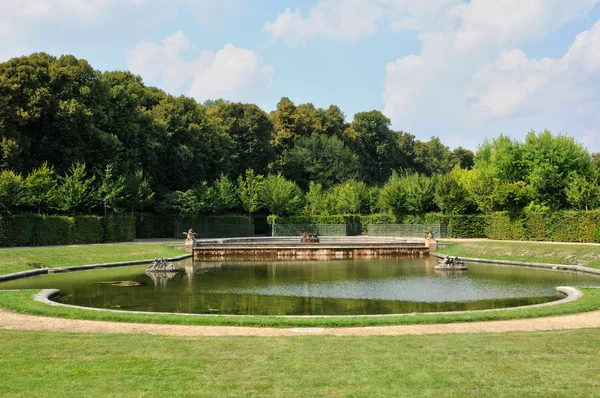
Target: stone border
[45, 296]
[45, 271]
[559, 267]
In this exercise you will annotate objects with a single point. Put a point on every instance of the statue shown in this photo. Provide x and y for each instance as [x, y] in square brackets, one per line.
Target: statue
[451, 263]
[429, 235]
[162, 265]
[308, 237]
[190, 234]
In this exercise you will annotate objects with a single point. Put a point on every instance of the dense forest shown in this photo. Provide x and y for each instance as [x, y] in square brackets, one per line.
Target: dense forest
[76, 140]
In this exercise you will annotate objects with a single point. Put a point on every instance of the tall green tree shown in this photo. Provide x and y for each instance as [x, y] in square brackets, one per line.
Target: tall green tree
[11, 191]
[76, 192]
[282, 197]
[138, 191]
[393, 196]
[227, 193]
[450, 195]
[112, 190]
[351, 197]
[370, 136]
[322, 159]
[39, 187]
[582, 194]
[249, 189]
[249, 132]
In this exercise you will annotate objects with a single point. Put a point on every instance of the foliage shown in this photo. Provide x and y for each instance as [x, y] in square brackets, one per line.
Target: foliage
[11, 191]
[39, 187]
[351, 197]
[138, 192]
[450, 194]
[280, 196]
[321, 159]
[227, 194]
[112, 190]
[30, 229]
[75, 191]
[249, 189]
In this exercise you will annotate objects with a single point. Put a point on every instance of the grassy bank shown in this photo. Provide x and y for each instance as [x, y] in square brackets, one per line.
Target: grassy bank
[552, 253]
[23, 259]
[557, 363]
[22, 301]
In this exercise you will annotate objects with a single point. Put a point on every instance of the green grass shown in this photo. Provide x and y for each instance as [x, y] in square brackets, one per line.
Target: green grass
[22, 301]
[22, 259]
[544, 364]
[553, 253]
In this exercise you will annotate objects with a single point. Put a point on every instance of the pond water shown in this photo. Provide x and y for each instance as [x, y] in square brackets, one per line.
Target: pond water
[345, 287]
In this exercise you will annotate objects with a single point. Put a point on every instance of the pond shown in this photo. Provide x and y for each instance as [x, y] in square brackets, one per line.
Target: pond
[345, 287]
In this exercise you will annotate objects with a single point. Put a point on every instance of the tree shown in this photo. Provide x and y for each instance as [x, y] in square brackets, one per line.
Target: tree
[393, 196]
[432, 157]
[185, 203]
[75, 191]
[370, 136]
[227, 194]
[322, 159]
[420, 193]
[11, 190]
[463, 158]
[138, 192]
[282, 197]
[551, 160]
[39, 187]
[249, 190]
[351, 197]
[450, 195]
[582, 194]
[249, 132]
[112, 190]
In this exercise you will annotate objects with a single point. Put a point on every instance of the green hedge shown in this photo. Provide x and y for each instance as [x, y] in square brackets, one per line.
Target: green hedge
[40, 230]
[154, 226]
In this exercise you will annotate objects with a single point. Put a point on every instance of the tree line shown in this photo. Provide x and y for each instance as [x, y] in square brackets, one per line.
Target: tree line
[74, 139]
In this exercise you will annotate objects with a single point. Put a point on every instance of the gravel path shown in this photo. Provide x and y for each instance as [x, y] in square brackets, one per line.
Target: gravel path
[14, 321]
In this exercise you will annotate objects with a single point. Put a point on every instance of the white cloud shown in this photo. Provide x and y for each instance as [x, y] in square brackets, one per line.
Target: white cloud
[512, 22]
[343, 20]
[74, 23]
[232, 73]
[471, 76]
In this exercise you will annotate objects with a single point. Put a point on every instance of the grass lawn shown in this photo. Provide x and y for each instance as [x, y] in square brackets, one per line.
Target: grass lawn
[557, 363]
[22, 259]
[588, 255]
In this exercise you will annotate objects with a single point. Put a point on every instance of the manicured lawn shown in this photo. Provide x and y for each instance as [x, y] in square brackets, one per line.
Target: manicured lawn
[22, 259]
[552, 253]
[558, 363]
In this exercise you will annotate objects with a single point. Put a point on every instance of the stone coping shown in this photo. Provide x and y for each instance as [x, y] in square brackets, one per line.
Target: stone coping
[45, 296]
[45, 271]
[560, 267]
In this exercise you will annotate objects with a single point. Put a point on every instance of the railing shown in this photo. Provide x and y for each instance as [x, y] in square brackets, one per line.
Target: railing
[410, 230]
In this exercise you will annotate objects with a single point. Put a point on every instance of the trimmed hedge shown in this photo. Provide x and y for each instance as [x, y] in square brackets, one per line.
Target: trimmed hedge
[40, 230]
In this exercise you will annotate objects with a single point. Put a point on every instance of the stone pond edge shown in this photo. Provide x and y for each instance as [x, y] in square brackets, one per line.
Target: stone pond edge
[45, 297]
[559, 267]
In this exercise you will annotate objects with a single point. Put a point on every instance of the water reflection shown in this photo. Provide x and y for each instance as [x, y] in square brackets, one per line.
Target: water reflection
[377, 286]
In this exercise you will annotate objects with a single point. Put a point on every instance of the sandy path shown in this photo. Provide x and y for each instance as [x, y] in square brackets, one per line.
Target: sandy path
[14, 321]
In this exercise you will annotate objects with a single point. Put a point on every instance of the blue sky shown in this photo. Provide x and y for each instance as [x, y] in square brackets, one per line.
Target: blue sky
[460, 70]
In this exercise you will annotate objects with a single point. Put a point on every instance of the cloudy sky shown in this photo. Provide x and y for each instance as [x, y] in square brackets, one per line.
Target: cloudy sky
[460, 70]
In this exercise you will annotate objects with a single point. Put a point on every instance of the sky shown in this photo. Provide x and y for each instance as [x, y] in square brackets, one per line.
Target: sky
[456, 69]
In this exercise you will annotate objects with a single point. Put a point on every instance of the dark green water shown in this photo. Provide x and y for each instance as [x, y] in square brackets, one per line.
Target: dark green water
[382, 286]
